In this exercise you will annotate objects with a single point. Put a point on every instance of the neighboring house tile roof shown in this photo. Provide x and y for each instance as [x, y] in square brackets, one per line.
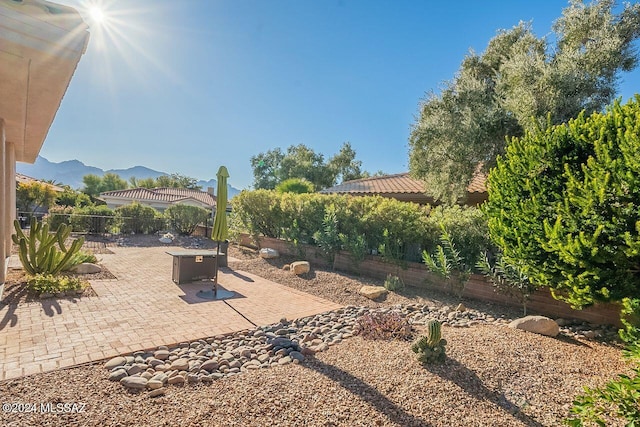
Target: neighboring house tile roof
[163, 194]
[24, 179]
[403, 187]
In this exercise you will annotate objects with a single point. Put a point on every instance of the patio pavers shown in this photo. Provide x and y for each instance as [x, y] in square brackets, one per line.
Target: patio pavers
[141, 309]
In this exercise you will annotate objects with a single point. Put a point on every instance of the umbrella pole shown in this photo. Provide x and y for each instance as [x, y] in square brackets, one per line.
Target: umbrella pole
[215, 272]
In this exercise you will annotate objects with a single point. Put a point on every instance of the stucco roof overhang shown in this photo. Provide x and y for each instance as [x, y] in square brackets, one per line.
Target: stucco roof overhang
[40, 46]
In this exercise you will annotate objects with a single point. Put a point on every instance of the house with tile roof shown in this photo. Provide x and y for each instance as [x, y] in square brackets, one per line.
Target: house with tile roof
[25, 179]
[159, 198]
[407, 189]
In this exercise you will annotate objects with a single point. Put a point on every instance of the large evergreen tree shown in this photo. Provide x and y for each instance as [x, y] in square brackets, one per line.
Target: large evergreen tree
[516, 84]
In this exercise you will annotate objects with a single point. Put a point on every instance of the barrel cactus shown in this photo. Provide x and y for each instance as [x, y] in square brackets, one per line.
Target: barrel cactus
[430, 348]
[38, 251]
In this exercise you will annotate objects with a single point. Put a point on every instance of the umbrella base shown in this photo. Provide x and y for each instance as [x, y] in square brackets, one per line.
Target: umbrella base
[219, 295]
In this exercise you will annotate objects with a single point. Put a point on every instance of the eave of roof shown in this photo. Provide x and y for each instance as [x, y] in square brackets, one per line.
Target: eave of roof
[40, 46]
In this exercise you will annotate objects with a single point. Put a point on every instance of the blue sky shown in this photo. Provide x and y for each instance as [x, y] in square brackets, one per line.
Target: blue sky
[184, 86]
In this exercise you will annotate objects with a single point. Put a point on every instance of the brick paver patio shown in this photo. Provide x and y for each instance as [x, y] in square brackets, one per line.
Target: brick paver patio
[141, 309]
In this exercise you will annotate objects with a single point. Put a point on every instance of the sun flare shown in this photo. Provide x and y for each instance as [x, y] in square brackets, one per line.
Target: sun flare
[97, 14]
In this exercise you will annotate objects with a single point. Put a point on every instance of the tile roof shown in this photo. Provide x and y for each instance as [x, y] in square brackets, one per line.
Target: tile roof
[24, 179]
[401, 183]
[163, 194]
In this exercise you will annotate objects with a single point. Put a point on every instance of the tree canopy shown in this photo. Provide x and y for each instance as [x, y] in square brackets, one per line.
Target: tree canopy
[274, 167]
[32, 195]
[175, 180]
[518, 83]
[94, 184]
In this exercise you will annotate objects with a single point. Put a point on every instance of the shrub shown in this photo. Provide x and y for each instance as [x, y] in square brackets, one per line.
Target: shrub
[72, 198]
[139, 219]
[258, 212]
[399, 231]
[564, 202]
[59, 215]
[184, 218]
[49, 283]
[356, 245]
[430, 348]
[383, 325]
[93, 219]
[467, 227]
[393, 283]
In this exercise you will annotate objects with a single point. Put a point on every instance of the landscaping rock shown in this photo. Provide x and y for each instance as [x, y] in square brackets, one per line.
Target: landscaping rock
[157, 392]
[300, 267]
[166, 238]
[537, 324]
[118, 374]
[136, 383]
[269, 253]
[178, 379]
[154, 384]
[373, 292]
[180, 364]
[161, 354]
[116, 361]
[86, 268]
[210, 365]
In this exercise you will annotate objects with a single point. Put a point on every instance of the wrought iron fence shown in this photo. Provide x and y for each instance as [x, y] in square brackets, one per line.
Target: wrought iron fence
[104, 225]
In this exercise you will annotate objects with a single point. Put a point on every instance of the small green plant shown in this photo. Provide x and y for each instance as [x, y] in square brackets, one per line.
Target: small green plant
[430, 348]
[356, 246]
[630, 318]
[448, 263]
[383, 325]
[38, 252]
[508, 279]
[328, 238]
[51, 284]
[393, 283]
[619, 398]
[82, 257]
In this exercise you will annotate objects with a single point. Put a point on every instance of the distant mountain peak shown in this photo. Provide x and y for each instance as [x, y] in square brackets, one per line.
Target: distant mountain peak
[71, 172]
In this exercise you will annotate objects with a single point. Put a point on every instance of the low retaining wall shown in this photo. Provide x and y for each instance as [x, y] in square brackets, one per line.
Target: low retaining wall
[417, 275]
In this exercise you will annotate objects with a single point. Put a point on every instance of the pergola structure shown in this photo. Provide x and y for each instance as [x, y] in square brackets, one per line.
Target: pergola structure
[40, 46]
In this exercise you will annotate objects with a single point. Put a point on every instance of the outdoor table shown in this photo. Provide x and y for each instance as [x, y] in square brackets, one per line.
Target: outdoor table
[191, 265]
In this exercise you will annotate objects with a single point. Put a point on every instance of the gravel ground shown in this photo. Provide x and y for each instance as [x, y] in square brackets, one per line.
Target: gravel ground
[493, 376]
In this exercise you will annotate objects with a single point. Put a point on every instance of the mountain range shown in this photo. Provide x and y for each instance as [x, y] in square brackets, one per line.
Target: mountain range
[70, 172]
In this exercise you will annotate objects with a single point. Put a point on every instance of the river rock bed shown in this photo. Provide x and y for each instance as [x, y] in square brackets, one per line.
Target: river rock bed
[286, 342]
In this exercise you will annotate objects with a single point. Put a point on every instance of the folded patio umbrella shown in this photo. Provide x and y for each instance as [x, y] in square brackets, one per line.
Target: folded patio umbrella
[220, 230]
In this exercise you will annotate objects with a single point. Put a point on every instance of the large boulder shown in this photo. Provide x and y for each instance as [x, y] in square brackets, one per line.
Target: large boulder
[537, 324]
[373, 292]
[268, 253]
[86, 268]
[300, 267]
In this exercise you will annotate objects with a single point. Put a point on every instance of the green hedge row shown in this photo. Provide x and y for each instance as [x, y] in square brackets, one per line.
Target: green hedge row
[388, 227]
[132, 218]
